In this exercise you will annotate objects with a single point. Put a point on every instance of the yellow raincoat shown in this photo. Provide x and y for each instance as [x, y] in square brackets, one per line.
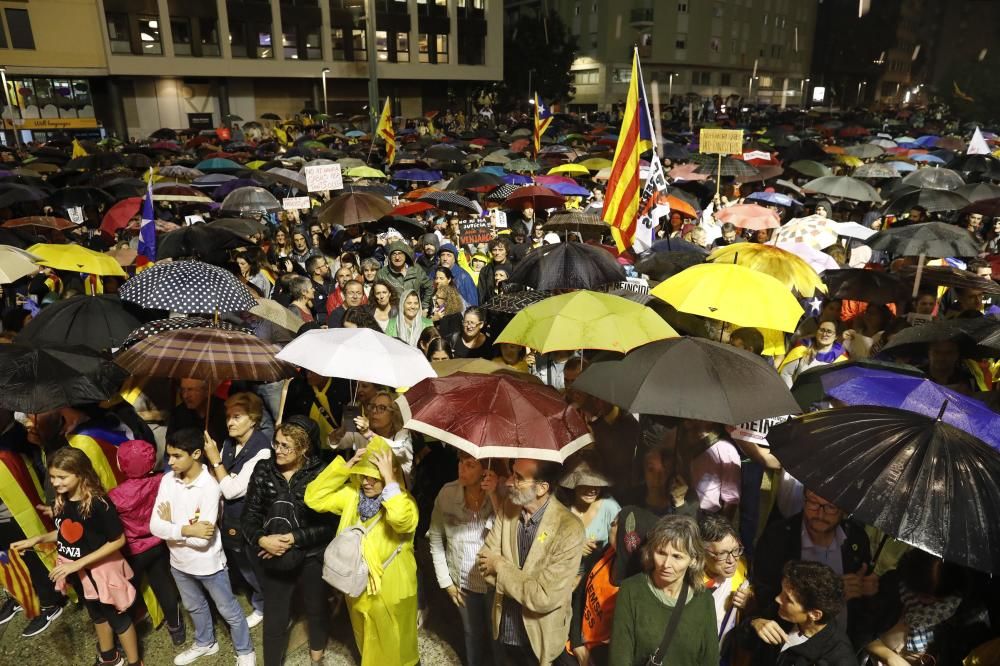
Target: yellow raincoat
[384, 618]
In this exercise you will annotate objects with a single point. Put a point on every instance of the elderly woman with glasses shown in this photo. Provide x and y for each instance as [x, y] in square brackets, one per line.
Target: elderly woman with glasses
[725, 574]
[383, 418]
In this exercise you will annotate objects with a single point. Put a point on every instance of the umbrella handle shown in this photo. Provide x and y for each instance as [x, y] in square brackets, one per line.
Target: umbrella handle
[878, 551]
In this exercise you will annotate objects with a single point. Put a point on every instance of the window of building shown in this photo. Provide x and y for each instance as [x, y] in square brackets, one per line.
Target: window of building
[717, 11]
[715, 44]
[646, 39]
[585, 77]
[442, 49]
[358, 37]
[701, 78]
[118, 33]
[314, 47]
[402, 47]
[19, 25]
[338, 45]
[621, 75]
[765, 19]
[180, 30]
[3, 45]
[382, 45]
[210, 37]
[680, 42]
[682, 7]
[289, 42]
[264, 47]
[765, 82]
[149, 35]
[433, 48]
[725, 79]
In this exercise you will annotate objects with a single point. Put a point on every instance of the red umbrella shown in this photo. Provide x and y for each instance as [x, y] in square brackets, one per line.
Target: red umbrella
[118, 216]
[750, 216]
[495, 416]
[410, 208]
[40, 222]
[534, 196]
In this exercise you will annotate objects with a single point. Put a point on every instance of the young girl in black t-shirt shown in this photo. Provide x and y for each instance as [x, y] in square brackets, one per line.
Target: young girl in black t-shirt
[89, 538]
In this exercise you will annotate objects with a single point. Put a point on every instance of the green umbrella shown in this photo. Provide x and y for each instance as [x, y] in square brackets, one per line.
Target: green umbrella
[810, 168]
[523, 165]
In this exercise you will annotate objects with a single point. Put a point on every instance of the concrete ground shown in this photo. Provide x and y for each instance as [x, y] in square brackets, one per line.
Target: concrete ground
[70, 641]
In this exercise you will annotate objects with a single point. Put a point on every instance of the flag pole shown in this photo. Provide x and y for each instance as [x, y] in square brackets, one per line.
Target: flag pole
[718, 176]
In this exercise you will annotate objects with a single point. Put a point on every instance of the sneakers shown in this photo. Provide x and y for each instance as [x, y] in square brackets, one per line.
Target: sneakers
[195, 652]
[42, 622]
[119, 660]
[9, 609]
[178, 634]
[254, 618]
[246, 659]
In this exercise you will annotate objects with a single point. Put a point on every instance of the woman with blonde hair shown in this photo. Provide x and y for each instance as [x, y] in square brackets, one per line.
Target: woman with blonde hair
[673, 560]
[368, 490]
[446, 310]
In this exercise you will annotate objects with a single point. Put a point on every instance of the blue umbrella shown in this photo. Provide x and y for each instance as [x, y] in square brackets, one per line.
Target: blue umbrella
[417, 175]
[495, 170]
[927, 141]
[776, 198]
[354, 134]
[569, 189]
[903, 167]
[927, 157]
[882, 388]
[517, 179]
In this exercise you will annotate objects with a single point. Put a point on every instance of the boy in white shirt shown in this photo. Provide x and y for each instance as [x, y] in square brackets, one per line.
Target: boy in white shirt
[187, 509]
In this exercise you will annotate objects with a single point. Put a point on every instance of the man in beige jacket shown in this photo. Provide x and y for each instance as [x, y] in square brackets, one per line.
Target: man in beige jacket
[532, 556]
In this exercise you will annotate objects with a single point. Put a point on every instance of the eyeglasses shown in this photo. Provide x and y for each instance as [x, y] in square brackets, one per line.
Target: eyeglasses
[286, 448]
[378, 409]
[827, 509]
[825, 331]
[735, 553]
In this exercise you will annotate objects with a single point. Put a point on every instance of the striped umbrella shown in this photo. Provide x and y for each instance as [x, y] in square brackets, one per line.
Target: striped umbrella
[175, 324]
[205, 353]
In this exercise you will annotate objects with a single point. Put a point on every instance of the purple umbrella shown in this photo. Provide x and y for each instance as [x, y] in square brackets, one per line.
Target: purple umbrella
[569, 189]
[417, 175]
[221, 191]
[517, 179]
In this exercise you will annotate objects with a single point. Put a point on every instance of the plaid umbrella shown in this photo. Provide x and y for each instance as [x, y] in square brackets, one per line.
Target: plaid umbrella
[176, 324]
[814, 231]
[205, 353]
[450, 201]
[588, 225]
[188, 286]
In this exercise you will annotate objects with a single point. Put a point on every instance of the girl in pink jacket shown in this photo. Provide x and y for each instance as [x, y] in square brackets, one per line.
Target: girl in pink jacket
[134, 498]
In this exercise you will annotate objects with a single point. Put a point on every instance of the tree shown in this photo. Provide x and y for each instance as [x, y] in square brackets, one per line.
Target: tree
[542, 50]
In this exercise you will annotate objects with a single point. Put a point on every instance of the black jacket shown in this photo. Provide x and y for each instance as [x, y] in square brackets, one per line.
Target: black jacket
[829, 647]
[267, 485]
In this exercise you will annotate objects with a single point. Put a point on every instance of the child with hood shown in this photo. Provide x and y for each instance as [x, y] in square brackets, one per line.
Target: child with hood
[135, 498]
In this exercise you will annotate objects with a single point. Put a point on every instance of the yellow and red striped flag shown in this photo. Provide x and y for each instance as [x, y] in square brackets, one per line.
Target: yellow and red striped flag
[621, 200]
[543, 118]
[15, 578]
[386, 131]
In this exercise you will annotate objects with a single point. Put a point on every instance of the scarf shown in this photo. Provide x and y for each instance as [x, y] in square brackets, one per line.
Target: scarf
[368, 506]
[922, 618]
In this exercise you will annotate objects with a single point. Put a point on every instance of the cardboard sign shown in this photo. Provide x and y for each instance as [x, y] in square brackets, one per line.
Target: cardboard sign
[193, 219]
[296, 203]
[473, 231]
[324, 177]
[720, 142]
[75, 214]
[499, 218]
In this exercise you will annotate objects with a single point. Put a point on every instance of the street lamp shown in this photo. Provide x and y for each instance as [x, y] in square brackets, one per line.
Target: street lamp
[326, 107]
[6, 96]
[670, 87]
[368, 7]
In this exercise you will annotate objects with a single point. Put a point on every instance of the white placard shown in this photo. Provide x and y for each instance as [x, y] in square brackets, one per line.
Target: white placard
[296, 203]
[499, 218]
[323, 177]
[193, 219]
[75, 214]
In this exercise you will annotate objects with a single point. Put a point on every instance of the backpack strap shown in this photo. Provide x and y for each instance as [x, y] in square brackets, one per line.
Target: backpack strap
[368, 529]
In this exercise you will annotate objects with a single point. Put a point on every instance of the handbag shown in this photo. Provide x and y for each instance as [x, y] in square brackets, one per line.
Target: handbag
[281, 519]
[656, 659]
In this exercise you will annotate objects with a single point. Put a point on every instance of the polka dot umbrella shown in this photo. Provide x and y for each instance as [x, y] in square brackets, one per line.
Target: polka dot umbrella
[189, 287]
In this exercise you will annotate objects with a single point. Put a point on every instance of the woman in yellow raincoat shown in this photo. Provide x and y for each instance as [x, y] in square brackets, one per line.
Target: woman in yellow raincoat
[384, 618]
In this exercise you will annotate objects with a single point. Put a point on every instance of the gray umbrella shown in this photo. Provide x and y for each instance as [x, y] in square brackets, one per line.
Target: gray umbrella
[935, 178]
[842, 187]
[933, 239]
[875, 170]
[250, 199]
[865, 151]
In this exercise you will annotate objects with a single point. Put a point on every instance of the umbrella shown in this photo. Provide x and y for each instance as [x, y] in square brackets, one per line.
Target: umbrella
[810, 168]
[794, 272]
[875, 170]
[40, 379]
[68, 197]
[417, 175]
[750, 216]
[250, 200]
[853, 230]
[661, 265]
[286, 177]
[99, 322]
[180, 172]
[882, 388]
[774, 198]
[932, 200]
[450, 201]
[15, 264]
[585, 320]
[353, 208]
[934, 178]
[13, 193]
[174, 324]
[188, 286]
[733, 294]
[567, 266]
[814, 231]
[495, 416]
[76, 258]
[205, 353]
[241, 226]
[364, 172]
[523, 165]
[872, 462]
[407, 226]
[475, 180]
[515, 301]
[280, 316]
[691, 378]
[933, 239]
[40, 222]
[979, 191]
[865, 151]
[359, 354]
[571, 169]
[860, 284]
[218, 165]
[949, 276]
[976, 338]
[587, 225]
[842, 187]
[809, 390]
[730, 167]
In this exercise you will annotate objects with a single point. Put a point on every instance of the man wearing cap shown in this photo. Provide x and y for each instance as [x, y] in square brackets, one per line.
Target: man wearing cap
[448, 258]
[400, 272]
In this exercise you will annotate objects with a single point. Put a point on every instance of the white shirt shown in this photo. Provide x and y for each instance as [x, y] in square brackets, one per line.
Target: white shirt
[234, 486]
[189, 504]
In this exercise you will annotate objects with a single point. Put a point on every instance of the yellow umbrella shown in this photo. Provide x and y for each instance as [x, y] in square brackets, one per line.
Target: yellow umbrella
[585, 320]
[365, 172]
[569, 170]
[790, 269]
[256, 164]
[596, 163]
[477, 366]
[733, 294]
[77, 259]
[848, 160]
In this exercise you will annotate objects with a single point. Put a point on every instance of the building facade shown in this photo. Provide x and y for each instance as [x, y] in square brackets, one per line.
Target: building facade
[757, 50]
[134, 66]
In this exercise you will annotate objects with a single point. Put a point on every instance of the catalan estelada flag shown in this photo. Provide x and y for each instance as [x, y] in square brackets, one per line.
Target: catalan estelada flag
[621, 200]
[386, 131]
[15, 578]
[543, 118]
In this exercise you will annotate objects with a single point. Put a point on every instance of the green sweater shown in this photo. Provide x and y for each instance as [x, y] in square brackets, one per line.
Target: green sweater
[641, 618]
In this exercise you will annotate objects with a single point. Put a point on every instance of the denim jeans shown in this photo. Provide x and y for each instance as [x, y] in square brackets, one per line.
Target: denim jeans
[241, 559]
[192, 589]
[477, 622]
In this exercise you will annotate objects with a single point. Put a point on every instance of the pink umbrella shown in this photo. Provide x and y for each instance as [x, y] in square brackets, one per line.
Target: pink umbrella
[750, 216]
[554, 180]
[686, 172]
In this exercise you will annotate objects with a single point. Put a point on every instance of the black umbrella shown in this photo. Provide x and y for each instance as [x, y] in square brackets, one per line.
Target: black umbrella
[14, 193]
[68, 197]
[933, 239]
[979, 191]
[95, 162]
[808, 387]
[473, 180]
[675, 152]
[976, 338]
[407, 226]
[917, 479]
[35, 380]
[949, 276]
[567, 266]
[164, 133]
[661, 265]
[931, 199]
[450, 201]
[99, 322]
[188, 286]
[691, 378]
[241, 226]
[860, 284]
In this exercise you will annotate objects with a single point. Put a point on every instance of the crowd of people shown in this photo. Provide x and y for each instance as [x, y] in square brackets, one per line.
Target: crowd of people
[668, 540]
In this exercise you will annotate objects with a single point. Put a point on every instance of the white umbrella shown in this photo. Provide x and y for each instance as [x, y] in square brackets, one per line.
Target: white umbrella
[853, 230]
[15, 264]
[360, 354]
[817, 259]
